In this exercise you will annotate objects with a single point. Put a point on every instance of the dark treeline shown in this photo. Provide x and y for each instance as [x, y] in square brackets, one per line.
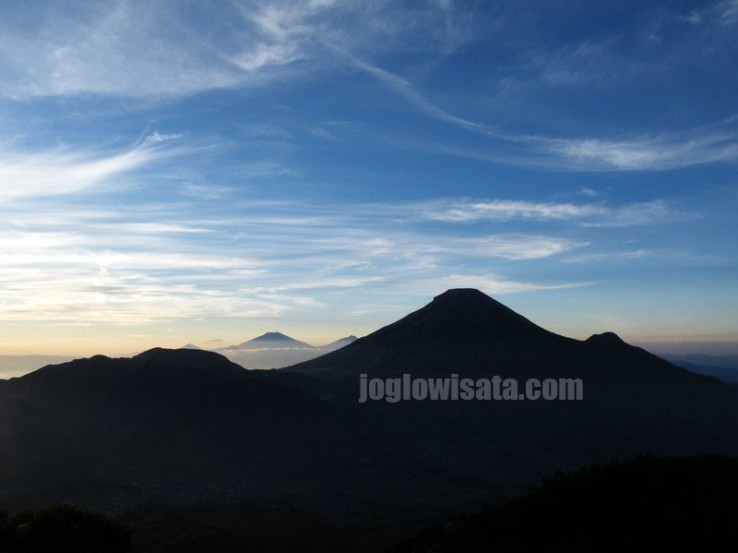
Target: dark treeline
[62, 529]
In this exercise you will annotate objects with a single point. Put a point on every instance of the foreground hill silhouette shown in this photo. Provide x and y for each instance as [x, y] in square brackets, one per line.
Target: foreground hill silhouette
[183, 425]
[62, 529]
[655, 505]
[186, 427]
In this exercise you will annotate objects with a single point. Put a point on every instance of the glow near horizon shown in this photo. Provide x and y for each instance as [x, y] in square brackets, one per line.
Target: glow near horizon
[181, 172]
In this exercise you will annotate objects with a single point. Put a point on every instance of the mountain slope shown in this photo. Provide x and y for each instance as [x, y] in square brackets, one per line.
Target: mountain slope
[668, 505]
[465, 331]
[181, 425]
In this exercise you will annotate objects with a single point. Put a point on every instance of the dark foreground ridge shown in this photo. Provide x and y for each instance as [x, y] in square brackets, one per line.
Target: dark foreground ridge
[655, 505]
[187, 428]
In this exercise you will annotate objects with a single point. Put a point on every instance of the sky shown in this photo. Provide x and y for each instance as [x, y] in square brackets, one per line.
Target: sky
[204, 172]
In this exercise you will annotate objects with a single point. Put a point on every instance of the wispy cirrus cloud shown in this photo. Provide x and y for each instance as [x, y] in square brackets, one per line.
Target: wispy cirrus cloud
[152, 50]
[585, 214]
[490, 284]
[41, 173]
[265, 55]
[718, 143]
[147, 266]
[407, 90]
[141, 49]
[664, 152]
[722, 13]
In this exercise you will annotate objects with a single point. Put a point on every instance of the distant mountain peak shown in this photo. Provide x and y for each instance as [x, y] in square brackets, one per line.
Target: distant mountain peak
[606, 339]
[271, 339]
[272, 336]
[341, 342]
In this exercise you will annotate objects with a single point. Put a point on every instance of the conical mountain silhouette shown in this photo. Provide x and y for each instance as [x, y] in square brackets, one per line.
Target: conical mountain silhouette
[274, 337]
[467, 332]
[461, 316]
[270, 340]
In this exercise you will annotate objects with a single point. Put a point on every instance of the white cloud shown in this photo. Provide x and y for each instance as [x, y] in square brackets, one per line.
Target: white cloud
[61, 172]
[642, 154]
[644, 213]
[609, 256]
[489, 283]
[404, 88]
[722, 13]
[205, 191]
[149, 265]
[635, 214]
[506, 210]
[143, 49]
[727, 12]
[264, 55]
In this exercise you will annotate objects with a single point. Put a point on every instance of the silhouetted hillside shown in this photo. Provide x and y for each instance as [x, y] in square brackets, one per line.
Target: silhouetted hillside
[62, 529]
[181, 425]
[466, 332]
[659, 506]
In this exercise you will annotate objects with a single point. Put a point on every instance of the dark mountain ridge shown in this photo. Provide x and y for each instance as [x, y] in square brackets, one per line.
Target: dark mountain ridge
[182, 425]
[658, 505]
[465, 331]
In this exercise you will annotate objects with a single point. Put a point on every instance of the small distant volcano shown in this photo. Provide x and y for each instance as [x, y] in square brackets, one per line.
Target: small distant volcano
[190, 346]
[274, 336]
[340, 343]
[272, 340]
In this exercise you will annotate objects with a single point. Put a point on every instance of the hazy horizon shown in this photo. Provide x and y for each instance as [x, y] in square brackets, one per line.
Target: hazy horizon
[190, 172]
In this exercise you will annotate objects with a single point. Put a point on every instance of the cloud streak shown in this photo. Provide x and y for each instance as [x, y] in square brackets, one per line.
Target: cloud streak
[61, 172]
[149, 266]
[148, 50]
[585, 214]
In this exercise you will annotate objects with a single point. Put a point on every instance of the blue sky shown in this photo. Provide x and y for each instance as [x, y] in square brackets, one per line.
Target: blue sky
[177, 172]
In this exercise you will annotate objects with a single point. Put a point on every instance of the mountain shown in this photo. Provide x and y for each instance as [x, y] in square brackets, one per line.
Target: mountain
[341, 342]
[190, 346]
[633, 402]
[178, 425]
[275, 340]
[465, 331]
[274, 350]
